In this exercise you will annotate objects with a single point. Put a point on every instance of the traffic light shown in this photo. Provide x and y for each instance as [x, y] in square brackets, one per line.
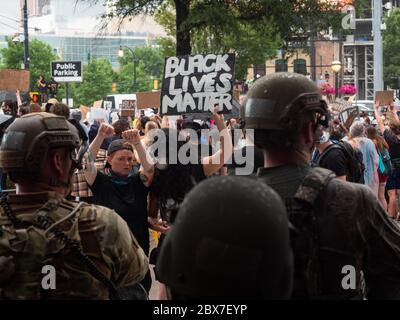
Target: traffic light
[35, 97]
[114, 87]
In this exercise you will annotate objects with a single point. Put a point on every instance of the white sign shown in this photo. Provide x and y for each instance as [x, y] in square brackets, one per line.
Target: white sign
[67, 71]
[70, 102]
[107, 105]
[97, 114]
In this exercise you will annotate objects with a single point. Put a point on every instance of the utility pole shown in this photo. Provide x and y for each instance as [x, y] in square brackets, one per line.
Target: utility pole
[26, 36]
[378, 50]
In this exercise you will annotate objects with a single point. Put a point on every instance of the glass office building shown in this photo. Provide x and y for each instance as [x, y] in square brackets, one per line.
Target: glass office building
[83, 48]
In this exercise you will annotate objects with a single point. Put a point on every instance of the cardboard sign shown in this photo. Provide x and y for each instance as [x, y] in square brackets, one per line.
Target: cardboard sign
[67, 71]
[11, 80]
[194, 84]
[148, 99]
[97, 104]
[348, 115]
[127, 112]
[385, 98]
[128, 104]
[84, 110]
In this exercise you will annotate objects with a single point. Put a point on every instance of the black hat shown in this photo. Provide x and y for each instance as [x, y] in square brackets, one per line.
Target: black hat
[117, 145]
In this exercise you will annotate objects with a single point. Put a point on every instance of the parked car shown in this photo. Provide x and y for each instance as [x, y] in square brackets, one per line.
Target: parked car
[364, 106]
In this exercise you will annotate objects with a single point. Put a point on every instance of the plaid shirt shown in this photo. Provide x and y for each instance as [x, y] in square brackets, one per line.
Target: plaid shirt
[80, 188]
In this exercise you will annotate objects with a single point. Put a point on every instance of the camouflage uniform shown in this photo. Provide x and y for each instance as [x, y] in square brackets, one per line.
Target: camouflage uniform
[352, 229]
[340, 232]
[104, 237]
[91, 248]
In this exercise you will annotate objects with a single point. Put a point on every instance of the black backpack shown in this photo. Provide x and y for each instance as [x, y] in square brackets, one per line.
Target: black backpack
[354, 161]
[304, 210]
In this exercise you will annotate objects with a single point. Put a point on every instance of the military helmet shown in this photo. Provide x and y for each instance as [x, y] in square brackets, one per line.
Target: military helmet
[276, 98]
[230, 240]
[27, 141]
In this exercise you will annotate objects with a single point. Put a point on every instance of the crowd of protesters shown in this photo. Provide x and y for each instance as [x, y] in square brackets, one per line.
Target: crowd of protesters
[147, 189]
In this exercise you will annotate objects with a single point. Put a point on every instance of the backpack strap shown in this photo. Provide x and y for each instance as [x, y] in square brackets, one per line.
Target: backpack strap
[313, 184]
[328, 149]
[309, 200]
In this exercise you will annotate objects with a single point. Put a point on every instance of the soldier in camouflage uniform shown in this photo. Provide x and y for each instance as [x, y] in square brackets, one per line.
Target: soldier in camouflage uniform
[91, 248]
[344, 245]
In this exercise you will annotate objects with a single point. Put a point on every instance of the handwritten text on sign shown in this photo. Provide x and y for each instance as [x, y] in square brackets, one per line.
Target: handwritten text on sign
[194, 84]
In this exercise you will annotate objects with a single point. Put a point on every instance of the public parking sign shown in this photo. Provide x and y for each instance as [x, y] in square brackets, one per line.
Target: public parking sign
[66, 71]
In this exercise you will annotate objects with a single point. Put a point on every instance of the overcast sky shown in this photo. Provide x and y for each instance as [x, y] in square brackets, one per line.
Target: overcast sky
[9, 8]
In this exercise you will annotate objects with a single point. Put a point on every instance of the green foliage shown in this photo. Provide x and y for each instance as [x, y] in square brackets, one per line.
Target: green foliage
[252, 43]
[149, 66]
[287, 18]
[41, 54]
[391, 48]
[97, 80]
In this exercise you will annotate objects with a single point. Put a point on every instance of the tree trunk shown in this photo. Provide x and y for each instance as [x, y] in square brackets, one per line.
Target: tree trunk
[183, 46]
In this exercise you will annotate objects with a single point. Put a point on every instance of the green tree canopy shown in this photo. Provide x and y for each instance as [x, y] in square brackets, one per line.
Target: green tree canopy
[97, 81]
[253, 44]
[391, 49]
[41, 54]
[149, 66]
[287, 18]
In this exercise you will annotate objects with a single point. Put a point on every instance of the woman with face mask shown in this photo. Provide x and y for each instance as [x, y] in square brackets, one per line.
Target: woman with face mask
[123, 189]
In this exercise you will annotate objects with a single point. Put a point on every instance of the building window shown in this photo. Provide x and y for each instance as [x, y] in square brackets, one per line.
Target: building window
[259, 71]
[300, 66]
[281, 65]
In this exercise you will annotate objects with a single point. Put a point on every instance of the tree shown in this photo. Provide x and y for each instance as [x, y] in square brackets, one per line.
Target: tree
[253, 44]
[391, 49]
[288, 18]
[149, 66]
[41, 54]
[97, 81]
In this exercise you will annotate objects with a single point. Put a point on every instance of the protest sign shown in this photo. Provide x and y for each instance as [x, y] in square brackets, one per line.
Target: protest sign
[195, 84]
[11, 80]
[385, 98]
[128, 104]
[98, 114]
[148, 99]
[97, 104]
[348, 115]
[127, 112]
[107, 105]
[84, 110]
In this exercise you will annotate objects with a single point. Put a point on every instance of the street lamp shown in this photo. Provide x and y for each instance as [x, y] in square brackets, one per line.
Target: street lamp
[336, 67]
[121, 54]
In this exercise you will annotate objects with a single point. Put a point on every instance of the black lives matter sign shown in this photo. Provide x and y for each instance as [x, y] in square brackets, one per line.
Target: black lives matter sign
[66, 71]
[195, 84]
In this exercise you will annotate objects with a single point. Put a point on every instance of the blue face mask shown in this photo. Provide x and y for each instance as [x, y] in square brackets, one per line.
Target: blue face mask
[117, 179]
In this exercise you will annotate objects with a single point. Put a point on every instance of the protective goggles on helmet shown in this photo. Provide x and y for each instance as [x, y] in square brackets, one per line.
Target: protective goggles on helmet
[309, 102]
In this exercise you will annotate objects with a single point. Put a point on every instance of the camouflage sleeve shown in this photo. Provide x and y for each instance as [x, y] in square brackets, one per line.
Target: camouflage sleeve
[132, 264]
[382, 237]
[120, 251]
